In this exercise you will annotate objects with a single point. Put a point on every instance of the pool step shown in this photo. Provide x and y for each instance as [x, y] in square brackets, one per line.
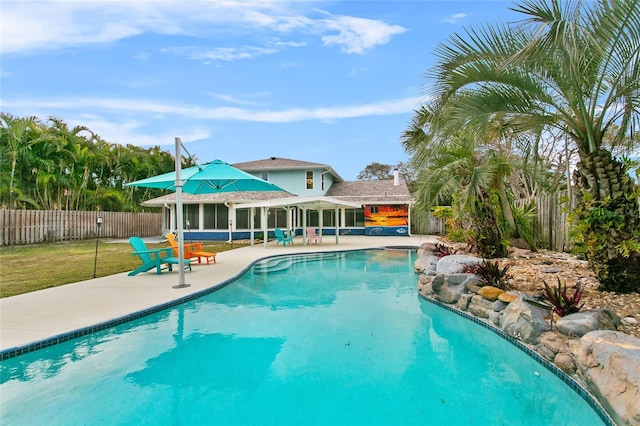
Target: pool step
[277, 264]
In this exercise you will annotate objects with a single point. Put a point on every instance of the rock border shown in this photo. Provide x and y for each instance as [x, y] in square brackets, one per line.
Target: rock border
[585, 350]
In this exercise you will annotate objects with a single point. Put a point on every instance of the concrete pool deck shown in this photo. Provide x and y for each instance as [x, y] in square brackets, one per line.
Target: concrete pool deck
[40, 315]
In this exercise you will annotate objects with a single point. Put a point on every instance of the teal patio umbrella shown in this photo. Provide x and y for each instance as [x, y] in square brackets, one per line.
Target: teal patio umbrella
[209, 178]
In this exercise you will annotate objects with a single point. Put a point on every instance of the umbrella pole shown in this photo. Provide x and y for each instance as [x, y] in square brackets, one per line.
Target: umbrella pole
[179, 213]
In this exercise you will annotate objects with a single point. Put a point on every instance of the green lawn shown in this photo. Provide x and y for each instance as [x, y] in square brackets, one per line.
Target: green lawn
[30, 268]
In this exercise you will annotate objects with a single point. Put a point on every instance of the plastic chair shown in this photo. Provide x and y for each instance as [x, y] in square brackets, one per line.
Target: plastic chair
[153, 258]
[191, 250]
[282, 238]
[312, 237]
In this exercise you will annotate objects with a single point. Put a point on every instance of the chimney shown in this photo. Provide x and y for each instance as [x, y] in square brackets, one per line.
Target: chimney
[396, 177]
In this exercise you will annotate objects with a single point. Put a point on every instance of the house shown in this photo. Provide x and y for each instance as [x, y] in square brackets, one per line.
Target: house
[314, 195]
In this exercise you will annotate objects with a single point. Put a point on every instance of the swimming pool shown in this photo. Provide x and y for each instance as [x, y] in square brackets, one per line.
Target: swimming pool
[325, 339]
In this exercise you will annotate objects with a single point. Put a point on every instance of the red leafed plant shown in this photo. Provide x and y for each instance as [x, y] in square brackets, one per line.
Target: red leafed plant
[563, 303]
[442, 250]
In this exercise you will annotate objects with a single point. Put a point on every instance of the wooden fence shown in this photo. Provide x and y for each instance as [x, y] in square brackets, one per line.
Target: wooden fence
[551, 226]
[19, 227]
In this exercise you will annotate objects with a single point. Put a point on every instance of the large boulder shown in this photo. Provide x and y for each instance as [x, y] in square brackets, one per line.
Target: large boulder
[580, 323]
[609, 362]
[426, 264]
[525, 320]
[449, 288]
[455, 263]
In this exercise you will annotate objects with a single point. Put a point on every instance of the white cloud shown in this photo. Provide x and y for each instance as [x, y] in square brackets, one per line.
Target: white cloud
[132, 132]
[156, 109]
[355, 35]
[221, 53]
[453, 19]
[28, 25]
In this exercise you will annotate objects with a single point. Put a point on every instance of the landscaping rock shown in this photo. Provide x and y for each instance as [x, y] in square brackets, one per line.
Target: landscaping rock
[490, 293]
[499, 306]
[448, 288]
[426, 264]
[463, 302]
[426, 249]
[455, 263]
[564, 362]
[525, 321]
[609, 362]
[494, 317]
[480, 307]
[474, 288]
[580, 323]
[508, 297]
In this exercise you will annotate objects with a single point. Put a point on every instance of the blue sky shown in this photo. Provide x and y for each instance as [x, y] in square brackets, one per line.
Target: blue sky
[333, 82]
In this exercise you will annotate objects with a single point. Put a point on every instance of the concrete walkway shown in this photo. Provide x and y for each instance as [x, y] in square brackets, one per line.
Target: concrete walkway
[40, 315]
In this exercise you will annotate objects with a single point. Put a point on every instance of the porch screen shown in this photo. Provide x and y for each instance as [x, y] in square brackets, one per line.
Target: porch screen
[277, 218]
[354, 217]
[242, 219]
[216, 216]
[191, 212]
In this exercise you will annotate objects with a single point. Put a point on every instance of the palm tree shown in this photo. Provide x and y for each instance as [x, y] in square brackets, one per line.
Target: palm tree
[15, 136]
[569, 66]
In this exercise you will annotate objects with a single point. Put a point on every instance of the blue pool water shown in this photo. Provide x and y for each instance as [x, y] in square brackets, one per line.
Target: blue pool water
[331, 339]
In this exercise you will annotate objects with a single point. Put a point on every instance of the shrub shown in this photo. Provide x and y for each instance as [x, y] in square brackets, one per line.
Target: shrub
[457, 236]
[442, 250]
[471, 269]
[491, 273]
[562, 303]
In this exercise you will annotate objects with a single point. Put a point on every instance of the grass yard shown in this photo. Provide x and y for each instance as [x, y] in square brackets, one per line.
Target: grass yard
[29, 268]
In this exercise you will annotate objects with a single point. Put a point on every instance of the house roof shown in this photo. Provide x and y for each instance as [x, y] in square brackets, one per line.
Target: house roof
[221, 197]
[277, 163]
[316, 202]
[370, 191]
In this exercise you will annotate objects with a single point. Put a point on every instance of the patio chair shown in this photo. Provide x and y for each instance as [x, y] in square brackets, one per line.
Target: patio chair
[312, 237]
[154, 258]
[191, 250]
[282, 237]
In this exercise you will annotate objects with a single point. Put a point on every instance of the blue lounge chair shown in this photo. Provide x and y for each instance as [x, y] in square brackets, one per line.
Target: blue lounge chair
[154, 258]
[282, 238]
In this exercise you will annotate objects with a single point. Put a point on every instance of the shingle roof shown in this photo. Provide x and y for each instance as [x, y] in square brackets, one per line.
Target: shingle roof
[381, 191]
[236, 197]
[277, 163]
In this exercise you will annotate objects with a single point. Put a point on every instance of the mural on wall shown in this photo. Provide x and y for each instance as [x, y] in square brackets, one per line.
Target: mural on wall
[386, 220]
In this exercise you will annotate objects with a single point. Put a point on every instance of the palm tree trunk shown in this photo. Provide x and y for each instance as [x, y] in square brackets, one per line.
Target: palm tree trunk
[609, 214]
[488, 238]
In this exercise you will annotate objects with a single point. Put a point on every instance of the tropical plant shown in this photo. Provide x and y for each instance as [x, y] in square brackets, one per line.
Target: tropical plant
[52, 166]
[490, 273]
[561, 301]
[459, 171]
[442, 250]
[570, 67]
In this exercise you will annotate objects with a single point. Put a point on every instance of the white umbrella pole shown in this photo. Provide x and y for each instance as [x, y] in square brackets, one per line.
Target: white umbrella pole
[180, 215]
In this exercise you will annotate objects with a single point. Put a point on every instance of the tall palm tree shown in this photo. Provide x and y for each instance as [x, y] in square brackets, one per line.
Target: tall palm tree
[15, 136]
[569, 66]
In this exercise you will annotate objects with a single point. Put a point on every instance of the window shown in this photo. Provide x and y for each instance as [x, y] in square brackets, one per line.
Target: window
[277, 218]
[328, 217]
[216, 216]
[191, 213]
[312, 218]
[354, 217]
[243, 219]
[374, 209]
[322, 182]
[264, 176]
[309, 179]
